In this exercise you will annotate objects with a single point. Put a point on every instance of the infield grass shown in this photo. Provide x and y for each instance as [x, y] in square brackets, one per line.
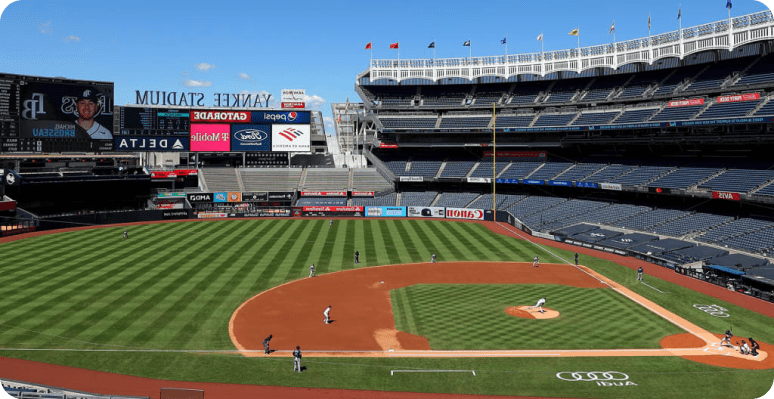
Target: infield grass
[174, 286]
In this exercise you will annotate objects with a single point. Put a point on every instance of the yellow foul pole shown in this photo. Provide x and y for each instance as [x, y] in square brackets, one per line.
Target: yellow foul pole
[494, 162]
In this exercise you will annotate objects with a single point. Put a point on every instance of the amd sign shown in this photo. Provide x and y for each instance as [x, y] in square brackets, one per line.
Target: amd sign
[200, 197]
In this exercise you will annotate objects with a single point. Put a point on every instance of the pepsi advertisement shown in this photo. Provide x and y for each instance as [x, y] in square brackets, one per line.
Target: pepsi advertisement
[253, 137]
[274, 117]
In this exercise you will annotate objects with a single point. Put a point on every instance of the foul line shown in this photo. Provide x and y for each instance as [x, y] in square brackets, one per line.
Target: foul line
[654, 288]
[432, 371]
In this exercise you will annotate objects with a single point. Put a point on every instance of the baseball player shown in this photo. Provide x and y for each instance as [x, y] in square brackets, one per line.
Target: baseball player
[331, 223]
[727, 338]
[311, 271]
[576, 259]
[536, 262]
[744, 348]
[639, 274]
[297, 359]
[539, 305]
[126, 234]
[327, 314]
[432, 259]
[754, 347]
[357, 257]
[266, 344]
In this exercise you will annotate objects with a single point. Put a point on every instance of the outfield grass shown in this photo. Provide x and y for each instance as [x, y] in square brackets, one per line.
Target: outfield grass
[473, 316]
[175, 286]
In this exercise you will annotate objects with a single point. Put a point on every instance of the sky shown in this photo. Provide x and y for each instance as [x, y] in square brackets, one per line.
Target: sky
[229, 46]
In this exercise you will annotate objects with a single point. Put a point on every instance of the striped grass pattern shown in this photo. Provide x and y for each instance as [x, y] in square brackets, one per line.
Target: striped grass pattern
[473, 316]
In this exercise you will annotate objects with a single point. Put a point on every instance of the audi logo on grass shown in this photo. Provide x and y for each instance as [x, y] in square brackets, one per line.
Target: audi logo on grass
[602, 378]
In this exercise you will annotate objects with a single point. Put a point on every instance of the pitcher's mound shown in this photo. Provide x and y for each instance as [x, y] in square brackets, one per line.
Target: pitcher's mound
[521, 311]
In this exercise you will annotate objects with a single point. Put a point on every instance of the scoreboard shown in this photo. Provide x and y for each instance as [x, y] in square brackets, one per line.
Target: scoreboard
[152, 121]
[39, 114]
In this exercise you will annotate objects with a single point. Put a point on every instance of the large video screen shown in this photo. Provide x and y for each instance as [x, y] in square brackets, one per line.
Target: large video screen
[137, 121]
[53, 115]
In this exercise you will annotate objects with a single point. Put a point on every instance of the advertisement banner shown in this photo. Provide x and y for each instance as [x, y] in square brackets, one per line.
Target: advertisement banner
[686, 103]
[274, 117]
[255, 197]
[251, 137]
[200, 197]
[220, 197]
[50, 110]
[610, 186]
[585, 184]
[417, 179]
[543, 235]
[533, 182]
[464, 213]
[559, 183]
[280, 195]
[175, 215]
[739, 97]
[186, 172]
[363, 193]
[724, 195]
[211, 215]
[507, 181]
[291, 138]
[263, 213]
[323, 193]
[293, 105]
[163, 174]
[516, 154]
[171, 195]
[479, 180]
[151, 143]
[212, 137]
[385, 211]
[333, 209]
[292, 95]
[385, 145]
[426, 212]
[220, 116]
[234, 197]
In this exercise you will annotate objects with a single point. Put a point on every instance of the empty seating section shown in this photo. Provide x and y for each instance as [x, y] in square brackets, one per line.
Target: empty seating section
[384, 200]
[641, 175]
[398, 167]
[580, 171]
[457, 167]
[549, 170]
[607, 175]
[519, 170]
[595, 118]
[691, 224]
[563, 214]
[738, 180]
[603, 86]
[279, 179]
[635, 116]
[486, 98]
[671, 83]
[509, 199]
[766, 109]
[729, 110]
[485, 202]
[369, 179]
[760, 73]
[326, 180]
[560, 97]
[684, 177]
[506, 121]
[767, 190]
[220, 179]
[408, 123]
[553, 120]
[441, 96]
[732, 229]
[564, 91]
[761, 241]
[523, 98]
[455, 200]
[427, 167]
[476, 122]
[647, 220]
[484, 168]
[693, 254]
[676, 113]
[421, 198]
[534, 204]
[307, 201]
[604, 214]
[710, 79]
[642, 82]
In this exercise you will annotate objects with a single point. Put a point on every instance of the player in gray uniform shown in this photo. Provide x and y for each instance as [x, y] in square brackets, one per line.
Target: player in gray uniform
[536, 262]
[539, 305]
[311, 271]
[327, 314]
[297, 359]
[126, 234]
[432, 259]
[639, 274]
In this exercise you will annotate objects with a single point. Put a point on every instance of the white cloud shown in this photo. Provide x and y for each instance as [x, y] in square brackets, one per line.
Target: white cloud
[203, 66]
[45, 28]
[197, 83]
[71, 38]
[244, 76]
[329, 125]
[314, 102]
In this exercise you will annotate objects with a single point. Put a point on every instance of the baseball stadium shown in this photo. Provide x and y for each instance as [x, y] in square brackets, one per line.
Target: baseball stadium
[595, 222]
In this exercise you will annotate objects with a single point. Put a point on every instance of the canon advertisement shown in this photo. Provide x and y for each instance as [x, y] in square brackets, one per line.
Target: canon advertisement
[251, 137]
[60, 111]
[426, 212]
[210, 137]
[464, 213]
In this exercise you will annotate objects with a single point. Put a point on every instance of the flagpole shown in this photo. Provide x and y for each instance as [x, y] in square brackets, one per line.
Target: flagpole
[578, 40]
[680, 32]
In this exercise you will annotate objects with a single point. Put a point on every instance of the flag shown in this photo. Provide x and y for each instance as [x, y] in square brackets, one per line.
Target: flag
[648, 21]
[540, 38]
[575, 32]
[368, 46]
[679, 12]
[728, 5]
[467, 43]
[504, 40]
[431, 45]
[612, 28]
[394, 45]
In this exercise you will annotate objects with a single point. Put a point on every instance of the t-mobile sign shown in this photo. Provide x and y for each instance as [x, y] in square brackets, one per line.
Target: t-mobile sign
[210, 137]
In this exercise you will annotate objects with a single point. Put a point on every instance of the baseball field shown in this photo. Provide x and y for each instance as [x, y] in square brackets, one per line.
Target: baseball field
[190, 302]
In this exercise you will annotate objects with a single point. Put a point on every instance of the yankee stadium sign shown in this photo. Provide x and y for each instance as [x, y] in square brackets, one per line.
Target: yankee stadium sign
[219, 100]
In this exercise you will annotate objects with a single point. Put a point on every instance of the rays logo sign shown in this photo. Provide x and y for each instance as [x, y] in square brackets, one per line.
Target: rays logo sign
[290, 138]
